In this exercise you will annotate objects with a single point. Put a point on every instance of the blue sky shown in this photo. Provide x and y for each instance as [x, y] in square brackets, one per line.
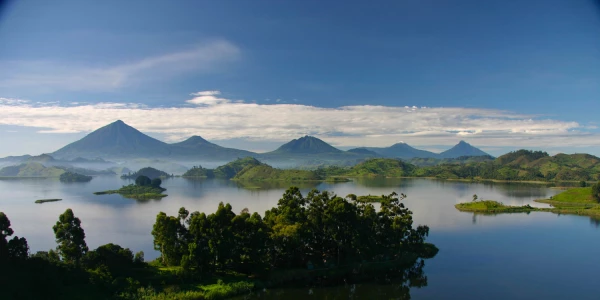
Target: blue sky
[501, 75]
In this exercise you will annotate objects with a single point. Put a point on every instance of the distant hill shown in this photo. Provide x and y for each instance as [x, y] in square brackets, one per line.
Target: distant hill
[114, 140]
[148, 172]
[44, 158]
[426, 162]
[381, 167]
[227, 171]
[403, 151]
[306, 145]
[199, 148]
[462, 149]
[231, 169]
[31, 169]
[267, 173]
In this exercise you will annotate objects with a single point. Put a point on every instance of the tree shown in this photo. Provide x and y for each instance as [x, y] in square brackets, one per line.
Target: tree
[596, 191]
[582, 183]
[5, 231]
[167, 239]
[16, 248]
[143, 181]
[70, 237]
[475, 197]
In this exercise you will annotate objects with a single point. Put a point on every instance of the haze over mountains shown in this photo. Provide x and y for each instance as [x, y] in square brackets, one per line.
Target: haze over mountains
[120, 141]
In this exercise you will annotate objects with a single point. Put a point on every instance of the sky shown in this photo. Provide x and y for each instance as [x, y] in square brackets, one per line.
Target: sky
[501, 75]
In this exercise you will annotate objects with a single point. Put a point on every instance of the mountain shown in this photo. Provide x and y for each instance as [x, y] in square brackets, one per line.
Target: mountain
[115, 140]
[306, 145]
[462, 149]
[403, 151]
[199, 148]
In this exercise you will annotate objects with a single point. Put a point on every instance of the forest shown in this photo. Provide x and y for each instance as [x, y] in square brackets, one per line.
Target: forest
[313, 240]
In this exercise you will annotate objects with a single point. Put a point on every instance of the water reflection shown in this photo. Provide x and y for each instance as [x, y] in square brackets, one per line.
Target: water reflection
[388, 283]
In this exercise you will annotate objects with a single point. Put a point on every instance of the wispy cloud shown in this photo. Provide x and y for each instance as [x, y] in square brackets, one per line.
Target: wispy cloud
[217, 118]
[53, 75]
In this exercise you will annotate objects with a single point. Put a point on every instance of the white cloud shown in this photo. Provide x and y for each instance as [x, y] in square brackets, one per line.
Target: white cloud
[52, 75]
[207, 98]
[217, 118]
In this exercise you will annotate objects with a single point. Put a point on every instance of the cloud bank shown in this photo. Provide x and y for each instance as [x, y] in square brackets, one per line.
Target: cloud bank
[215, 117]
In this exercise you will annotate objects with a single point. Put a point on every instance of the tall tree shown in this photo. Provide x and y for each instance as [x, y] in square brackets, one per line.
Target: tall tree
[169, 238]
[16, 248]
[5, 231]
[70, 237]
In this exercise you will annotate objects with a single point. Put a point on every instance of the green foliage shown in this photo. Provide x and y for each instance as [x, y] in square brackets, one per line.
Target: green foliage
[138, 192]
[381, 167]
[142, 180]
[576, 195]
[596, 191]
[268, 173]
[74, 177]
[490, 206]
[13, 249]
[70, 237]
[199, 171]
[231, 169]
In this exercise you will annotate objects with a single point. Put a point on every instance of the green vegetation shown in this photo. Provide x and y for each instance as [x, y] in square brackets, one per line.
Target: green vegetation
[227, 171]
[318, 239]
[198, 172]
[231, 169]
[147, 172]
[490, 206]
[47, 200]
[143, 189]
[522, 165]
[267, 173]
[576, 201]
[74, 177]
[381, 167]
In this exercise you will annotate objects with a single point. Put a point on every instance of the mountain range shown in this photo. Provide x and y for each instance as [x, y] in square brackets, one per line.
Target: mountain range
[121, 141]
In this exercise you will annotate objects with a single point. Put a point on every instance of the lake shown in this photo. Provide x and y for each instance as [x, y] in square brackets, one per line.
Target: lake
[512, 256]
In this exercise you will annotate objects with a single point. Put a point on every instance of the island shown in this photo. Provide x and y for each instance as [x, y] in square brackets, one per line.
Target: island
[74, 177]
[143, 189]
[47, 200]
[575, 201]
[149, 172]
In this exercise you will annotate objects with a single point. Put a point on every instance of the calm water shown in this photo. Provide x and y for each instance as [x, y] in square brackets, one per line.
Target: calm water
[517, 256]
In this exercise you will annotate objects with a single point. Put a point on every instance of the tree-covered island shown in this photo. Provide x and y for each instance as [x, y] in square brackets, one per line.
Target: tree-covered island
[74, 177]
[305, 241]
[143, 189]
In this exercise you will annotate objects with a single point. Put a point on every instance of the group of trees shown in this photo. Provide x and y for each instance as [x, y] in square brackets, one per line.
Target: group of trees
[45, 274]
[318, 230]
[146, 181]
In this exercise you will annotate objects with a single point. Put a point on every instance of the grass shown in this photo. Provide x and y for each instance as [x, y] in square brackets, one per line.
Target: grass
[575, 195]
[47, 200]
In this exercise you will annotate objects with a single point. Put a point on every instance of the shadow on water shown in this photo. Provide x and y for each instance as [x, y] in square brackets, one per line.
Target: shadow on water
[379, 283]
